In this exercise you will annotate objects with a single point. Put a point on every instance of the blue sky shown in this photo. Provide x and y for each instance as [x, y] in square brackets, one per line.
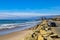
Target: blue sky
[29, 7]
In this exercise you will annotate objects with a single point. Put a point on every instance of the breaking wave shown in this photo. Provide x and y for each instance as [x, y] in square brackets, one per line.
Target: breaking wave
[14, 25]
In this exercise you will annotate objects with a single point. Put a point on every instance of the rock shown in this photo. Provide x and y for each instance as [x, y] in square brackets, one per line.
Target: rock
[54, 36]
[52, 24]
[40, 37]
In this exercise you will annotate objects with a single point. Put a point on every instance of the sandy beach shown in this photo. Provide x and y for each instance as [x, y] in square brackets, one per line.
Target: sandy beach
[20, 35]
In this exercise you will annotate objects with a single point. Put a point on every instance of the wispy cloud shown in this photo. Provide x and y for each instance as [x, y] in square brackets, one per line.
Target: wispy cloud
[29, 12]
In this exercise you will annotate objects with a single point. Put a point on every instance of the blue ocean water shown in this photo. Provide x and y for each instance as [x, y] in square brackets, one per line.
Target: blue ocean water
[8, 26]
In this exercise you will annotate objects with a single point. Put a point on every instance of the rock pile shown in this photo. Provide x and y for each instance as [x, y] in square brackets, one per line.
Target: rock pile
[42, 32]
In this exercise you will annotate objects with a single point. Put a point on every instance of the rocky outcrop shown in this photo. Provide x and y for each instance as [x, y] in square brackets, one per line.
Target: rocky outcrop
[42, 32]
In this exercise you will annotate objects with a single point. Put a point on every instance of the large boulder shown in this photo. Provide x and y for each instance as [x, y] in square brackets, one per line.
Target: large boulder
[52, 24]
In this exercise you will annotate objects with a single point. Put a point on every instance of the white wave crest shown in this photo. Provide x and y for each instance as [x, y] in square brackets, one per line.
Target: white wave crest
[9, 26]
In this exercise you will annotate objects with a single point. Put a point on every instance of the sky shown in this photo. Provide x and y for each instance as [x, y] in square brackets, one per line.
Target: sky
[13, 8]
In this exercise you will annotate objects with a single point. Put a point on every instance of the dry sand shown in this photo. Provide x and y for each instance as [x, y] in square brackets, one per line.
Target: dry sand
[57, 29]
[20, 35]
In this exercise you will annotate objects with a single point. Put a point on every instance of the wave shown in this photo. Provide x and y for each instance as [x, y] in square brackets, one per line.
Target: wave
[14, 25]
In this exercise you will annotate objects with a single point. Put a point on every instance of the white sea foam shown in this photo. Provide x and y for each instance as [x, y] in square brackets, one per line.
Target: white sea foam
[9, 26]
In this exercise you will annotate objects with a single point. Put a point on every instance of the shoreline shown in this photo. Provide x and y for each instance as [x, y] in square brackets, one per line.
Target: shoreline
[19, 35]
[8, 31]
